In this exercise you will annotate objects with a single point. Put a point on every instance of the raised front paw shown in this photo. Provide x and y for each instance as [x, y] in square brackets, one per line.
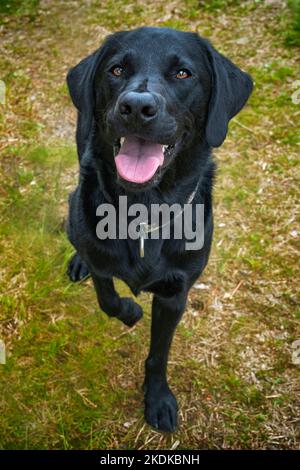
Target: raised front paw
[77, 269]
[161, 408]
[131, 312]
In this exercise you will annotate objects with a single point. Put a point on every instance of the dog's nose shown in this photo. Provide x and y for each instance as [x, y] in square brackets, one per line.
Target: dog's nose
[138, 106]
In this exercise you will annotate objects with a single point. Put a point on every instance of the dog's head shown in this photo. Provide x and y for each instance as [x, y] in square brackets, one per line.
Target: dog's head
[153, 92]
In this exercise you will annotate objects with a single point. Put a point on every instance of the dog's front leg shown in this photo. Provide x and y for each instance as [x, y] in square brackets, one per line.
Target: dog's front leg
[125, 309]
[160, 403]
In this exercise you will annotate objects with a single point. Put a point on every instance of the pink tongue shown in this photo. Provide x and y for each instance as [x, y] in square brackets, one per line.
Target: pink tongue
[138, 159]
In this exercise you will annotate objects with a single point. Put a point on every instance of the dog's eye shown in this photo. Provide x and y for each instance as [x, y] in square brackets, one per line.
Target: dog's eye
[183, 73]
[117, 70]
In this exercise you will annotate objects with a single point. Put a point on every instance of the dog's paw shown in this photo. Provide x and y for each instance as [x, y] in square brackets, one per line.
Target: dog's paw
[77, 269]
[131, 312]
[161, 409]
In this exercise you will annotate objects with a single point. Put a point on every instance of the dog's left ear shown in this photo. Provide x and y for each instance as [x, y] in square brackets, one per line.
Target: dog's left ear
[231, 87]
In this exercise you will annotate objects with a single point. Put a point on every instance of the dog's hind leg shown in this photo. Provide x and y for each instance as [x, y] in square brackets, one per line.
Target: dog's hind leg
[77, 269]
[160, 403]
[123, 308]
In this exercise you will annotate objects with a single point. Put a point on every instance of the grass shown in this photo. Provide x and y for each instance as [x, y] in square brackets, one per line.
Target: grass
[217, 4]
[20, 7]
[73, 377]
[293, 33]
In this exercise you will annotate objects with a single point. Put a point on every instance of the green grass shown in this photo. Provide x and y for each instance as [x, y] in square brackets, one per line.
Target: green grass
[217, 4]
[20, 7]
[292, 37]
[73, 377]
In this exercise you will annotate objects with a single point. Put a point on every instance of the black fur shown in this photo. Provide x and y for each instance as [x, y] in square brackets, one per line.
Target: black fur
[194, 112]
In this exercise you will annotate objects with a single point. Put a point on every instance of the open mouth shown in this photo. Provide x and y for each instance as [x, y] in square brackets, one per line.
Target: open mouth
[137, 160]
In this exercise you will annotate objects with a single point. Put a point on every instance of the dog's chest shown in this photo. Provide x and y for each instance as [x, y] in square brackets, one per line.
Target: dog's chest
[137, 270]
[122, 259]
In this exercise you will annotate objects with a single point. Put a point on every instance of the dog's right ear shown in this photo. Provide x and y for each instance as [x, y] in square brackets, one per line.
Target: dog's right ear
[80, 80]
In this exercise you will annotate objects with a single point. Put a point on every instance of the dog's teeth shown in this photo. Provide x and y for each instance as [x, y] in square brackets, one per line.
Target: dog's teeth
[122, 140]
[165, 147]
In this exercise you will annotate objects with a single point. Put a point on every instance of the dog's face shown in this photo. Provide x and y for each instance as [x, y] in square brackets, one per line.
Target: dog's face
[153, 92]
[157, 88]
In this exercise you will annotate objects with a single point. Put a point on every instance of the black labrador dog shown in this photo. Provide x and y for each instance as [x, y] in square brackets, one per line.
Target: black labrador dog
[151, 103]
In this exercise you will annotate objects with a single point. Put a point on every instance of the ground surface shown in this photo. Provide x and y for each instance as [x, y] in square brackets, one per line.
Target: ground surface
[73, 377]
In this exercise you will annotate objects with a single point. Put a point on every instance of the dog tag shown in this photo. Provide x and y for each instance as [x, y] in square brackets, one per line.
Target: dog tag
[143, 234]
